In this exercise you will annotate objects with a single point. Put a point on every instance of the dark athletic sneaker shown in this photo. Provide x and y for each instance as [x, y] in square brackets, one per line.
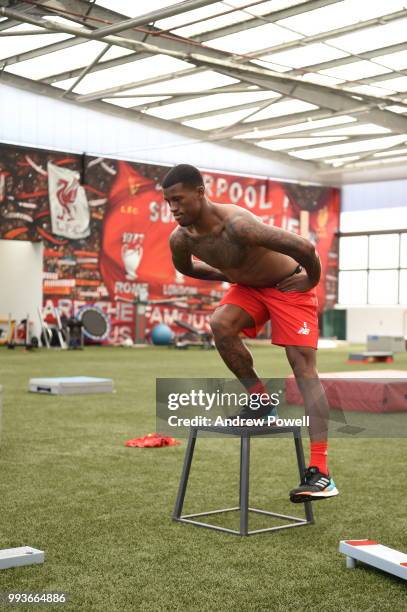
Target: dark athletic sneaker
[261, 413]
[315, 485]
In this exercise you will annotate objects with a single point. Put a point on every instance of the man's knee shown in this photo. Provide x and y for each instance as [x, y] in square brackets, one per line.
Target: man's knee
[302, 361]
[223, 326]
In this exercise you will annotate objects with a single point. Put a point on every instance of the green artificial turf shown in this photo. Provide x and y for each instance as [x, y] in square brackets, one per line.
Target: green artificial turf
[102, 512]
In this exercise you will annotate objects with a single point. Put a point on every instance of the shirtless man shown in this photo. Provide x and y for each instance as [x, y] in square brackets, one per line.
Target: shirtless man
[272, 274]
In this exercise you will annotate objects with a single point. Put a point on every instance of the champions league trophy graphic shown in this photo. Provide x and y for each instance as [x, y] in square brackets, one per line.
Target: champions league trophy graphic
[132, 253]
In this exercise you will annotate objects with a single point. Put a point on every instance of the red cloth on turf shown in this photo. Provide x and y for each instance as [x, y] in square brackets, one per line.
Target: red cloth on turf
[152, 440]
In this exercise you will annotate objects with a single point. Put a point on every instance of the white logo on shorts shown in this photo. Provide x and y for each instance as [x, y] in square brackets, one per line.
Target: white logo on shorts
[304, 330]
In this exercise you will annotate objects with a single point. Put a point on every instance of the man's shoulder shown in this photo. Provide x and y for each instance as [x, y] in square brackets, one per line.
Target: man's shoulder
[178, 237]
[239, 221]
[230, 211]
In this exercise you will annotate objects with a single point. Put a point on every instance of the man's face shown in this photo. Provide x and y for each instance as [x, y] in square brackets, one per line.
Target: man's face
[185, 202]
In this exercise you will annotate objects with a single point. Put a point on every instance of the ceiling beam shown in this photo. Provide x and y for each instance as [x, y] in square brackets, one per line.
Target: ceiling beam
[334, 173]
[185, 96]
[346, 60]
[8, 23]
[349, 59]
[125, 60]
[101, 12]
[352, 153]
[298, 9]
[39, 51]
[126, 23]
[328, 34]
[6, 34]
[118, 61]
[154, 122]
[132, 40]
[328, 97]
[87, 69]
[287, 120]
[230, 109]
[106, 93]
[380, 77]
[315, 94]
[319, 95]
[236, 88]
[151, 17]
[79, 7]
[340, 140]
[311, 135]
[367, 155]
[179, 44]
[337, 32]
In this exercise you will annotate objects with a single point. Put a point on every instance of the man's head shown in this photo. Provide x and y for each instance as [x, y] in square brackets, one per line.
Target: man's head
[184, 190]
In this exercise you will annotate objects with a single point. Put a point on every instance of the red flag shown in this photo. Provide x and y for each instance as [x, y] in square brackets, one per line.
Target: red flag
[134, 246]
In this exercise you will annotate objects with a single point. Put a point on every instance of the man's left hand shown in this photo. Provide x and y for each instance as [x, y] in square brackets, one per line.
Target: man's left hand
[296, 282]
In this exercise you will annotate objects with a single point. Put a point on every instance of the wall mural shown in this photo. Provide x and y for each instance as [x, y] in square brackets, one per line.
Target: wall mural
[105, 229]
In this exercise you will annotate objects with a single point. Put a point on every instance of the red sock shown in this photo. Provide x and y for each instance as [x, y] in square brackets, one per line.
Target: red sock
[319, 452]
[258, 388]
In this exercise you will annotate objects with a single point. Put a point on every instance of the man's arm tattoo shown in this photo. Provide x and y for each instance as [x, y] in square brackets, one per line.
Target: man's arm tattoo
[182, 260]
[250, 231]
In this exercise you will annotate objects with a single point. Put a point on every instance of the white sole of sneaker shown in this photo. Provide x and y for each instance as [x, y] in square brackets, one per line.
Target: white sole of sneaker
[314, 495]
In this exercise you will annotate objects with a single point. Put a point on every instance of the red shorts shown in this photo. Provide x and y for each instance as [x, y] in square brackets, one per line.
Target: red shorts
[293, 315]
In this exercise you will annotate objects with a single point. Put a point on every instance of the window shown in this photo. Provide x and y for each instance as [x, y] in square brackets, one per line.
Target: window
[403, 251]
[353, 253]
[383, 287]
[352, 287]
[384, 251]
[403, 287]
[373, 268]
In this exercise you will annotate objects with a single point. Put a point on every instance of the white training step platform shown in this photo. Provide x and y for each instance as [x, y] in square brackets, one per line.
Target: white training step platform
[74, 385]
[23, 555]
[375, 554]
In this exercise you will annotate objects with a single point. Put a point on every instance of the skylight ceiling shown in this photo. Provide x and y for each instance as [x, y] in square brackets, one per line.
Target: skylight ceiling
[221, 120]
[305, 56]
[323, 81]
[13, 45]
[203, 19]
[133, 72]
[209, 103]
[56, 61]
[253, 39]
[341, 14]
[130, 8]
[353, 147]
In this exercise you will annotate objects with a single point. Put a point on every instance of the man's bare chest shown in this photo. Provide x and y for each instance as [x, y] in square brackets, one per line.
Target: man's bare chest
[217, 250]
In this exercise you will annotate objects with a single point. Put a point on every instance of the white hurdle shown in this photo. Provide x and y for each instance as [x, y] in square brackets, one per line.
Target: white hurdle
[375, 554]
[23, 555]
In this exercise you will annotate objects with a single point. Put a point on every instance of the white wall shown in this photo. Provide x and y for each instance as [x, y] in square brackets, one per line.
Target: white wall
[21, 280]
[39, 121]
[368, 320]
[374, 206]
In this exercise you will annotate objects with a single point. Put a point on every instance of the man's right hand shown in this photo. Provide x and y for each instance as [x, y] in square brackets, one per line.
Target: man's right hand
[295, 282]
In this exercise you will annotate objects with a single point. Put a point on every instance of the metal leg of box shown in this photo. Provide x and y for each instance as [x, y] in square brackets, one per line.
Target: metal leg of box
[189, 453]
[244, 480]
